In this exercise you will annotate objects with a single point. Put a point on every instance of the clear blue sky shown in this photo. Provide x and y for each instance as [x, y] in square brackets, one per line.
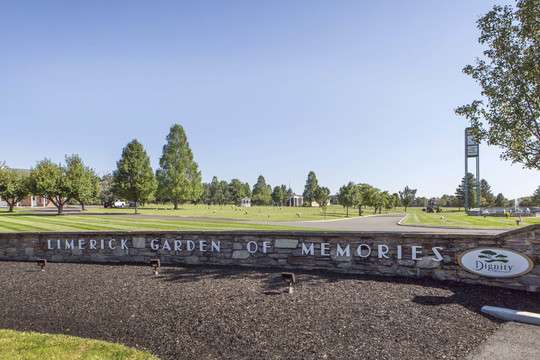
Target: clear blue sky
[354, 90]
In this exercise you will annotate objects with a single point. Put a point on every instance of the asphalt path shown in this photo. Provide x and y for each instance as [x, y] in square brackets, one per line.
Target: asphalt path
[513, 341]
[382, 223]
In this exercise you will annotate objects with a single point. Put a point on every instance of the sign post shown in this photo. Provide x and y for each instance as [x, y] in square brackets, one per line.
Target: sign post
[472, 150]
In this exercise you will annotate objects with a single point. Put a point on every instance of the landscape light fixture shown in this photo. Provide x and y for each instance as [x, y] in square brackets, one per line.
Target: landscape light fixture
[289, 279]
[156, 264]
[41, 263]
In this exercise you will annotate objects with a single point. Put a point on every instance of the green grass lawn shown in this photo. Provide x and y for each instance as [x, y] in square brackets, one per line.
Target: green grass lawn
[35, 346]
[256, 213]
[23, 222]
[454, 218]
[189, 217]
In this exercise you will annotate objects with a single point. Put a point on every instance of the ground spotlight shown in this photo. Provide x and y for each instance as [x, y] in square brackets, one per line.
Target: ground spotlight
[289, 279]
[156, 264]
[41, 263]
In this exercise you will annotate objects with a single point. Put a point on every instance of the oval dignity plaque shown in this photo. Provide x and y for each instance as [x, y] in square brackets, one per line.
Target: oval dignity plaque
[495, 262]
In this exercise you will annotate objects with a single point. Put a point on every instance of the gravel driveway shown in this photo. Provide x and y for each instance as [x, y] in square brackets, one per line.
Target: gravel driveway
[195, 313]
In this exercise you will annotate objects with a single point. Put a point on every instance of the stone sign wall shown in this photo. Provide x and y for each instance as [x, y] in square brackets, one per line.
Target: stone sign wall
[378, 253]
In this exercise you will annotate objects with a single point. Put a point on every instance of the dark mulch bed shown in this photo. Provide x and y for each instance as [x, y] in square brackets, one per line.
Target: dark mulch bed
[194, 313]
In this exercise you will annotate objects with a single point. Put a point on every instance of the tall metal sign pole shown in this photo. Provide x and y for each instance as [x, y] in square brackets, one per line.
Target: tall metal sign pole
[472, 150]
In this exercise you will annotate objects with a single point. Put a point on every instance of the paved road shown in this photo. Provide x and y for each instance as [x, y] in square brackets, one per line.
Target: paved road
[381, 223]
[513, 341]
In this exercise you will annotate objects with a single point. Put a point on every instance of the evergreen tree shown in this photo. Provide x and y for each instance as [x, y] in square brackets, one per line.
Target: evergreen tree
[471, 189]
[278, 195]
[501, 201]
[247, 189]
[106, 195]
[237, 191]
[535, 198]
[217, 193]
[206, 197]
[84, 181]
[262, 192]
[179, 178]
[224, 190]
[289, 194]
[133, 178]
[310, 188]
[486, 195]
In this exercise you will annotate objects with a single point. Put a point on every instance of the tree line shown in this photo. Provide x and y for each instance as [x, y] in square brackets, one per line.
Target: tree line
[487, 196]
[364, 195]
[177, 180]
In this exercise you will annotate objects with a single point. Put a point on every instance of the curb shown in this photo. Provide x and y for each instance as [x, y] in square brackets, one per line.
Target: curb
[348, 218]
[512, 315]
[400, 223]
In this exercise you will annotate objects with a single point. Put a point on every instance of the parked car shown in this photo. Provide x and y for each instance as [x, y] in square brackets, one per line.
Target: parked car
[119, 204]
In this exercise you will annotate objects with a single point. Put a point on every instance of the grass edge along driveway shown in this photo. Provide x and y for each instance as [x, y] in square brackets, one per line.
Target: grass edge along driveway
[456, 219]
[37, 346]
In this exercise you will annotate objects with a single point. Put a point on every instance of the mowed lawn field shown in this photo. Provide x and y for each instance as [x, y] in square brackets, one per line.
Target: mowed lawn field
[254, 213]
[21, 222]
[458, 219]
[188, 217]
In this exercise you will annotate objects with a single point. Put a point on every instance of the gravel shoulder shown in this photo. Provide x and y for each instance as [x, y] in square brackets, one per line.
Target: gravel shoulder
[218, 313]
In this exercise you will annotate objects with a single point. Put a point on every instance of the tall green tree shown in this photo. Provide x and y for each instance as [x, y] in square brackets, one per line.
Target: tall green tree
[471, 190]
[279, 195]
[83, 180]
[237, 191]
[309, 189]
[407, 196]
[395, 200]
[486, 195]
[14, 186]
[322, 197]
[362, 196]
[106, 195]
[377, 201]
[133, 178]
[501, 201]
[224, 186]
[509, 76]
[387, 201]
[247, 189]
[219, 192]
[535, 198]
[289, 194]
[262, 192]
[179, 178]
[346, 196]
[51, 181]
